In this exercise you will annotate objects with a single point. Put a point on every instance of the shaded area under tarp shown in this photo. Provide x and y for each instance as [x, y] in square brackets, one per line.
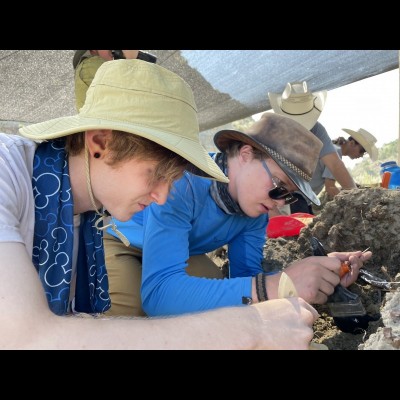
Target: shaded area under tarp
[37, 85]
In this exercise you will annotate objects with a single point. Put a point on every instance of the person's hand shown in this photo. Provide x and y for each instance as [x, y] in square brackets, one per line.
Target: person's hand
[130, 54]
[286, 324]
[104, 54]
[314, 277]
[356, 260]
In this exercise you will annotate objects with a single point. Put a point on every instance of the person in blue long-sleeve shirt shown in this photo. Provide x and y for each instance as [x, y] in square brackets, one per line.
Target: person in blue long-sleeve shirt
[168, 243]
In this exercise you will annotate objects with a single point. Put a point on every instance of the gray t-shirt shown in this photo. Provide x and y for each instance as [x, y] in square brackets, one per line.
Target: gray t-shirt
[321, 173]
[317, 181]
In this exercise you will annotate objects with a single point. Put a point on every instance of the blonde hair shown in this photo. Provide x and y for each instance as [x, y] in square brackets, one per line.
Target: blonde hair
[127, 146]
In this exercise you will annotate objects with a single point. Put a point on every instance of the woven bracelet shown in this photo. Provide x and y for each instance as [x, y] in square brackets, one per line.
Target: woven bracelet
[261, 288]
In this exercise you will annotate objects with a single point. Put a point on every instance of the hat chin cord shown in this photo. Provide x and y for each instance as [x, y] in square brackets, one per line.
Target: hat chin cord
[104, 214]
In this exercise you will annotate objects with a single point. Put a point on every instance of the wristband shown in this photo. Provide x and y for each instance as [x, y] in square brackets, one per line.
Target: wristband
[261, 288]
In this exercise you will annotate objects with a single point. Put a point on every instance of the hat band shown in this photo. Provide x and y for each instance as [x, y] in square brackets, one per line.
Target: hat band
[288, 163]
[292, 107]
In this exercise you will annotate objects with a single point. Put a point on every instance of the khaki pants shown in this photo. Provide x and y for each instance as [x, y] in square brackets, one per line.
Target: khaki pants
[124, 267]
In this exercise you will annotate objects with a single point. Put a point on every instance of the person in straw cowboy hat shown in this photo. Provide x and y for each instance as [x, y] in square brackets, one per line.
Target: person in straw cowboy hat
[359, 143]
[135, 134]
[299, 103]
[264, 165]
[362, 140]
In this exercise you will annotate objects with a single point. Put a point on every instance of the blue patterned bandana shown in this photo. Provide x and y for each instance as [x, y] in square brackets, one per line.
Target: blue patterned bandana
[53, 237]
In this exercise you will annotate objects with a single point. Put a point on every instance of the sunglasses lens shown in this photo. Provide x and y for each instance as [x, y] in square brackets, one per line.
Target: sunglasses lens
[281, 193]
[278, 192]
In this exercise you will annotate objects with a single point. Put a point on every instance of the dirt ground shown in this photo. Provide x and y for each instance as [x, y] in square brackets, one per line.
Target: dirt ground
[354, 220]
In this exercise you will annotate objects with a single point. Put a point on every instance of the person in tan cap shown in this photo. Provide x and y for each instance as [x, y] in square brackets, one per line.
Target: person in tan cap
[359, 143]
[87, 62]
[63, 178]
[265, 166]
[300, 104]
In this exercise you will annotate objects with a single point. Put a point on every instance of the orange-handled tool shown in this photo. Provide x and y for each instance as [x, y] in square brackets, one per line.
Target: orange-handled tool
[345, 267]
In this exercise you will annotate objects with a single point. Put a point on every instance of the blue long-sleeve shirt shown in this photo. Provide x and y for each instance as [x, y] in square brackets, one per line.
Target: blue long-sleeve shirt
[191, 223]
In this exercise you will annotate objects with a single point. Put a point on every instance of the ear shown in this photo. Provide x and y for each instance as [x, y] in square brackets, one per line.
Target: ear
[246, 153]
[97, 140]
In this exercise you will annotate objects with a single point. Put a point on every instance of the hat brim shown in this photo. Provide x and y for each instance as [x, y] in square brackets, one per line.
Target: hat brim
[77, 57]
[309, 119]
[222, 139]
[370, 148]
[191, 150]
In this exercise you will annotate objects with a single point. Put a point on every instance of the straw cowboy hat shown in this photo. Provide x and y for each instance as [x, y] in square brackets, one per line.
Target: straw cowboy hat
[141, 98]
[273, 135]
[366, 139]
[298, 103]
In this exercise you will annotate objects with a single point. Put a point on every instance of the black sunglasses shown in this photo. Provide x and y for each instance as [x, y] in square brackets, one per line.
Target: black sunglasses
[279, 192]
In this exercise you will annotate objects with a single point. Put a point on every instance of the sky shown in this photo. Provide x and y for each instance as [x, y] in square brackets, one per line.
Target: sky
[371, 104]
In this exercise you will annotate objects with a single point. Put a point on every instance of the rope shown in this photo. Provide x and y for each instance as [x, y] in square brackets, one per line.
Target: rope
[103, 215]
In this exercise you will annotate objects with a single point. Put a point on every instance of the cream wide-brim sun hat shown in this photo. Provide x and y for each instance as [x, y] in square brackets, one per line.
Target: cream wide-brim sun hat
[298, 103]
[366, 139]
[141, 98]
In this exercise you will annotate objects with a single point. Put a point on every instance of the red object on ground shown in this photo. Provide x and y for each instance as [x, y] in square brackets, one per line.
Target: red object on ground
[287, 225]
